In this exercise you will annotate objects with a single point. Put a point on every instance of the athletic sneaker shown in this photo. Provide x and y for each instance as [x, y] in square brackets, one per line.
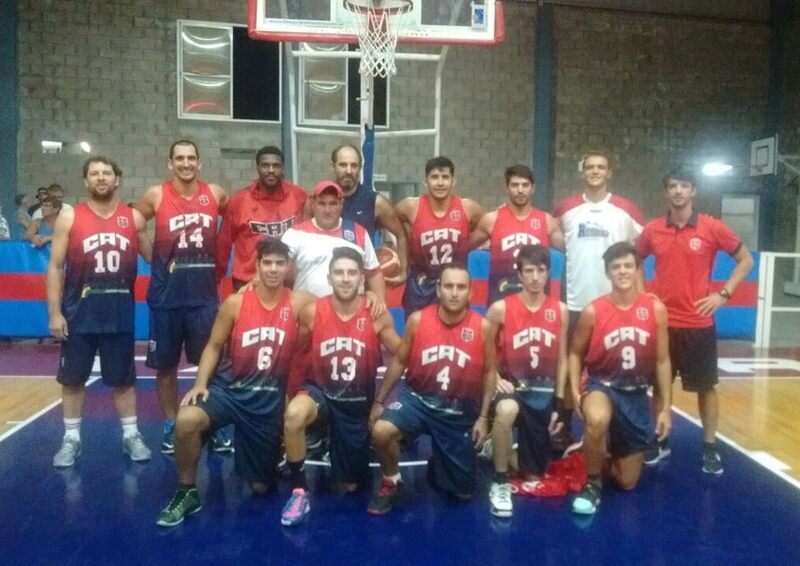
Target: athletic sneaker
[296, 509]
[712, 463]
[383, 501]
[220, 443]
[487, 450]
[500, 499]
[135, 447]
[657, 453]
[184, 503]
[69, 452]
[587, 500]
[168, 442]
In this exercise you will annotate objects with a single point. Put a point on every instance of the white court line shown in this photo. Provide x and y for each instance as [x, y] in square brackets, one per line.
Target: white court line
[38, 414]
[408, 464]
[756, 456]
[760, 377]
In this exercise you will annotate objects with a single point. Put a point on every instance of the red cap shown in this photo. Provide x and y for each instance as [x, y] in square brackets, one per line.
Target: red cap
[323, 186]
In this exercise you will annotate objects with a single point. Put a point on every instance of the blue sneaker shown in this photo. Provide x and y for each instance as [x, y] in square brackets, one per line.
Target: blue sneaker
[220, 443]
[296, 509]
[168, 442]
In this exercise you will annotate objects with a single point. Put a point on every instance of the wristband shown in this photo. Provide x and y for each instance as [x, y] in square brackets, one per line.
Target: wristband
[378, 402]
[482, 417]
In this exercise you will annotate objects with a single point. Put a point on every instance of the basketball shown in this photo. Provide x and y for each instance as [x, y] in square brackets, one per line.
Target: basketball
[390, 262]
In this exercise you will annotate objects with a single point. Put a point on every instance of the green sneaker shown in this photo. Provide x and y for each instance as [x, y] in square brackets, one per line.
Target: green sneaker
[183, 504]
[587, 500]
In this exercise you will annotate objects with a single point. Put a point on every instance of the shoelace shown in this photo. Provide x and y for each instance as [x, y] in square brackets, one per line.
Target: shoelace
[294, 508]
[387, 489]
[177, 500]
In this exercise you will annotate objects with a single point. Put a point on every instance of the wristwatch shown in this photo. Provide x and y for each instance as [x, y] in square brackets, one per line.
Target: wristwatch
[724, 293]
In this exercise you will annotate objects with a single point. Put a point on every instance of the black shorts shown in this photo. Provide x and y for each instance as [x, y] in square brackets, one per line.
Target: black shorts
[453, 465]
[257, 417]
[348, 423]
[171, 329]
[693, 353]
[631, 430]
[420, 292]
[532, 424]
[116, 359]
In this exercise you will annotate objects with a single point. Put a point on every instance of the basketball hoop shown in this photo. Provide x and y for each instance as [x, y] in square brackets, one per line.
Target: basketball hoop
[378, 23]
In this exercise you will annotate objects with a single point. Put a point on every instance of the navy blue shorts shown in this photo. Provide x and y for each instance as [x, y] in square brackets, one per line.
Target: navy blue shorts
[116, 359]
[631, 429]
[533, 437]
[171, 329]
[420, 292]
[257, 417]
[453, 464]
[348, 424]
[693, 352]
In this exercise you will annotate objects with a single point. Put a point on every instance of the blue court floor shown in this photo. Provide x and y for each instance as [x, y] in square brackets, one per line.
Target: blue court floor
[103, 511]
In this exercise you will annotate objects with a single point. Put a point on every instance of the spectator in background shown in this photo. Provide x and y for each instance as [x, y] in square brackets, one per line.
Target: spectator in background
[23, 203]
[57, 191]
[5, 233]
[41, 192]
[40, 230]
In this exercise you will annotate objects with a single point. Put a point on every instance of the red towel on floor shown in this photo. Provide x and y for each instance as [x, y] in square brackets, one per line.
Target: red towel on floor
[561, 477]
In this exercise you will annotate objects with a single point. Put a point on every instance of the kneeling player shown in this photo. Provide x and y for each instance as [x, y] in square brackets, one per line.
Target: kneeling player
[345, 356]
[258, 330]
[621, 339]
[449, 353]
[532, 367]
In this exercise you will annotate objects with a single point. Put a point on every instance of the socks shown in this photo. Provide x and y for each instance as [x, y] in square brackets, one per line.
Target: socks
[72, 429]
[395, 479]
[500, 477]
[297, 474]
[129, 427]
[186, 486]
[596, 480]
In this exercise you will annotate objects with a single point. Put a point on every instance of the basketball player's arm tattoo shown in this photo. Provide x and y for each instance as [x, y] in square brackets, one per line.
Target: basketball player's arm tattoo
[577, 351]
[58, 253]
[663, 373]
[220, 332]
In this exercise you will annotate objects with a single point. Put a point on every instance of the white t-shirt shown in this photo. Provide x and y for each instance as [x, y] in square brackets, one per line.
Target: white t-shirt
[312, 249]
[589, 229]
[38, 212]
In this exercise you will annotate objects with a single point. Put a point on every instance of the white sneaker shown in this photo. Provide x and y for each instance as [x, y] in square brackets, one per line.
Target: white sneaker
[135, 447]
[486, 450]
[500, 498]
[69, 452]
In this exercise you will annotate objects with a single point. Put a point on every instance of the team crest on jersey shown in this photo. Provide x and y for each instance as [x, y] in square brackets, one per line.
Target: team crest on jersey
[535, 224]
[549, 315]
[349, 235]
[642, 314]
[467, 334]
[284, 314]
[455, 215]
[695, 244]
[122, 221]
[203, 199]
[361, 323]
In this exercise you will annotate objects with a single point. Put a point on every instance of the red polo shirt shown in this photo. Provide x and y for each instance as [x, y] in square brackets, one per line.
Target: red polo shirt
[684, 259]
[252, 214]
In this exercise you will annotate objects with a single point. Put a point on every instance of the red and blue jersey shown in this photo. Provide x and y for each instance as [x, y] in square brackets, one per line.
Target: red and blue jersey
[345, 354]
[445, 368]
[183, 266]
[528, 344]
[261, 346]
[435, 241]
[622, 351]
[100, 272]
[508, 236]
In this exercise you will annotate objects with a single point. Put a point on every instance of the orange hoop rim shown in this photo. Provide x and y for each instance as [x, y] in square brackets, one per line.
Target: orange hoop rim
[365, 7]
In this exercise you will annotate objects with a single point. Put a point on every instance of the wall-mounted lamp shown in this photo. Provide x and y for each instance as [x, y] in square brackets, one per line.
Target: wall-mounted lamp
[49, 146]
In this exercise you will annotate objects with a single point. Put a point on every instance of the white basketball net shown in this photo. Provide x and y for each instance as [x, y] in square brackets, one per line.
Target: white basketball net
[378, 23]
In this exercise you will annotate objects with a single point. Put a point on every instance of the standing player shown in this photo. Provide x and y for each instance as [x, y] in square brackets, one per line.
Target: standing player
[268, 207]
[367, 207]
[99, 240]
[515, 224]
[345, 355]
[685, 245]
[183, 292]
[532, 367]
[255, 333]
[439, 224]
[622, 342]
[449, 353]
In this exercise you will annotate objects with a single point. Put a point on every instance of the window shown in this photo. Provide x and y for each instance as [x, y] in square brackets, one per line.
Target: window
[330, 90]
[225, 75]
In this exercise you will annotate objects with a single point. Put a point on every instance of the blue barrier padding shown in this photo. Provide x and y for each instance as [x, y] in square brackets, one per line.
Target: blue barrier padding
[723, 267]
[478, 264]
[22, 257]
[27, 319]
[736, 323]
